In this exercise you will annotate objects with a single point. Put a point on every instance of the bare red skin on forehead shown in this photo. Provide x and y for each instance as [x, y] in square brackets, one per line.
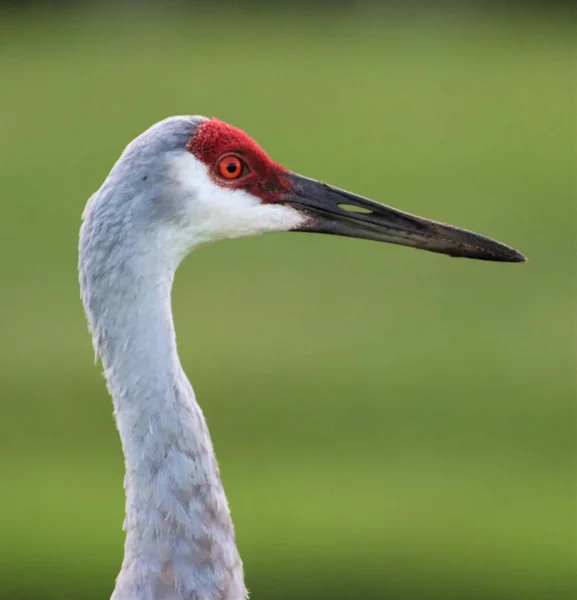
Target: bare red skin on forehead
[215, 139]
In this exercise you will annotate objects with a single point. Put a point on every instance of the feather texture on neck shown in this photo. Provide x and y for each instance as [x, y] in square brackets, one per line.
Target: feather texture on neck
[180, 541]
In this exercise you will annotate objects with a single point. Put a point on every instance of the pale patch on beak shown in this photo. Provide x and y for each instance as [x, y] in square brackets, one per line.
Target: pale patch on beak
[337, 212]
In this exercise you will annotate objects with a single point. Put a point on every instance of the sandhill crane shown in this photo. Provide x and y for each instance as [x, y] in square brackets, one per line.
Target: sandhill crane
[186, 181]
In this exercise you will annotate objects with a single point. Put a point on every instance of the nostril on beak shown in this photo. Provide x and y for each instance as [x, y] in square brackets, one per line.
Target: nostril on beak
[355, 209]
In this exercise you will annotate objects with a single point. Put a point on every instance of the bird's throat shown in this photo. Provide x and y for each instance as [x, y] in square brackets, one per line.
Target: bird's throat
[179, 533]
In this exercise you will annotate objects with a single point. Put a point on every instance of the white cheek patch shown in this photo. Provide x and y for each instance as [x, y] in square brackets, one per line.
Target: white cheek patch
[215, 212]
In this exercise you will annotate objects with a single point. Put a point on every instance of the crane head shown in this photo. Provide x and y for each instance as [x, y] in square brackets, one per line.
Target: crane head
[237, 165]
[209, 180]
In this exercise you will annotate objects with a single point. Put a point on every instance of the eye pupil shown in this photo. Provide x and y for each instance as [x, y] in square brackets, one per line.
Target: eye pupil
[231, 167]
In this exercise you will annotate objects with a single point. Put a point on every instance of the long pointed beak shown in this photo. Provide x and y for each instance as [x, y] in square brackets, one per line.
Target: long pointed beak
[337, 212]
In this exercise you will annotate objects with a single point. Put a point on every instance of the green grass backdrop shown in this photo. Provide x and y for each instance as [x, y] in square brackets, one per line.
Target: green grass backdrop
[390, 424]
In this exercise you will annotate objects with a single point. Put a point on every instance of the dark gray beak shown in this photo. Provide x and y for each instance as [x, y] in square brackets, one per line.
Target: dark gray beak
[337, 212]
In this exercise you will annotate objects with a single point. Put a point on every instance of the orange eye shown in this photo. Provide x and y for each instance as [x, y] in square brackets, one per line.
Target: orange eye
[230, 167]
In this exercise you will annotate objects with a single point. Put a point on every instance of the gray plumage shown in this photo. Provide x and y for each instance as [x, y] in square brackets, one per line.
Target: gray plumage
[180, 541]
[162, 199]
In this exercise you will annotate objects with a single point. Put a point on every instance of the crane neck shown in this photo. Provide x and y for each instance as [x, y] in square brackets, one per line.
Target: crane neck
[180, 538]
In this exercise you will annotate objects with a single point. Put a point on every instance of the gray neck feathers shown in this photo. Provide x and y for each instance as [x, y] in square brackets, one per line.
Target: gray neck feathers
[180, 539]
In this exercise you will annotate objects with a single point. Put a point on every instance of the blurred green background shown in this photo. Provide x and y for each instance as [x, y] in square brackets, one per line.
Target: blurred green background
[390, 424]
